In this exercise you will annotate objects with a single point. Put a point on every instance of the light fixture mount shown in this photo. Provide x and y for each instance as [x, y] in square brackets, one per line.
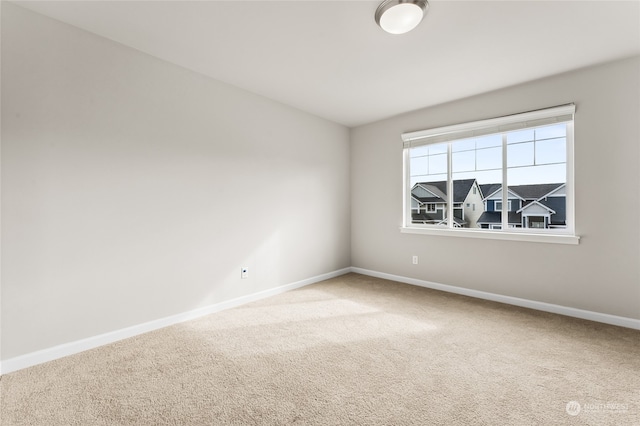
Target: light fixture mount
[400, 16]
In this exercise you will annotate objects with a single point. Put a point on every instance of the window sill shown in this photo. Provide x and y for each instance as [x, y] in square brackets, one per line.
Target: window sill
[495, 235]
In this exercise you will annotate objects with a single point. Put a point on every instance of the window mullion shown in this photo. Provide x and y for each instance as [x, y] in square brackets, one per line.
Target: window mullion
[570, 203]
[505, 189]
[449, 187]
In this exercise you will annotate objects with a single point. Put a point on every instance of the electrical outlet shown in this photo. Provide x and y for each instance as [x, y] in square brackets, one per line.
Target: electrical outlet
[244, 273]
[415, 260]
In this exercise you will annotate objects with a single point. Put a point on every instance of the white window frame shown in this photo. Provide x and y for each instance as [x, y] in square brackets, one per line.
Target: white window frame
[495, 203]
[502, 125]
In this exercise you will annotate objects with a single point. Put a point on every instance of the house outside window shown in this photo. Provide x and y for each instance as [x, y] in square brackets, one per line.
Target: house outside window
[459, 166]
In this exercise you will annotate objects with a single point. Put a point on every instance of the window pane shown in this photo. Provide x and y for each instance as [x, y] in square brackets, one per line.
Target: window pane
[468, 191]
[489, 141]
[520, 154]
[428, 176]
[440, 148]
[539, 196]
[520, 136]
[463, 161]
[463, 145]
[419, 166]
[419, 151]
[538, 174]
[555, 131]
[429, 202]
[489, 158]
[470, 175]
[438, 163]
[551, 151]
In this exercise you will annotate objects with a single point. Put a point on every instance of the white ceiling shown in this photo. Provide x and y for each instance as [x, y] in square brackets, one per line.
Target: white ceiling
[329, 58]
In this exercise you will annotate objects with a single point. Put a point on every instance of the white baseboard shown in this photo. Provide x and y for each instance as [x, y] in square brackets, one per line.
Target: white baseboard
[525, 303]
[60, 351]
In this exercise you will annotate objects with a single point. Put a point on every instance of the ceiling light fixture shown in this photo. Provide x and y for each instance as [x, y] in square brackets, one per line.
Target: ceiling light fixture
[400, 16]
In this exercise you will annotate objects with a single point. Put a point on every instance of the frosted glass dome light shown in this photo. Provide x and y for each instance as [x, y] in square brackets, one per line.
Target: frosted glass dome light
[400, 16]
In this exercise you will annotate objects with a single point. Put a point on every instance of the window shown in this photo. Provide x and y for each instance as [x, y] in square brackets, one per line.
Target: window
[522, 161]
[498, 205]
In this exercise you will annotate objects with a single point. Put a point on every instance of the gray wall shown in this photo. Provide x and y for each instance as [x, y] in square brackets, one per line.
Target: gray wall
[133, 189]
[601, 274]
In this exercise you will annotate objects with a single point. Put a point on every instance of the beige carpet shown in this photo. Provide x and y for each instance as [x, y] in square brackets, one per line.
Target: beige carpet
[353, 350]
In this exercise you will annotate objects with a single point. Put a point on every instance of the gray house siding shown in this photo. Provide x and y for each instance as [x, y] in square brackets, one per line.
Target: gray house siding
[559, 205]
